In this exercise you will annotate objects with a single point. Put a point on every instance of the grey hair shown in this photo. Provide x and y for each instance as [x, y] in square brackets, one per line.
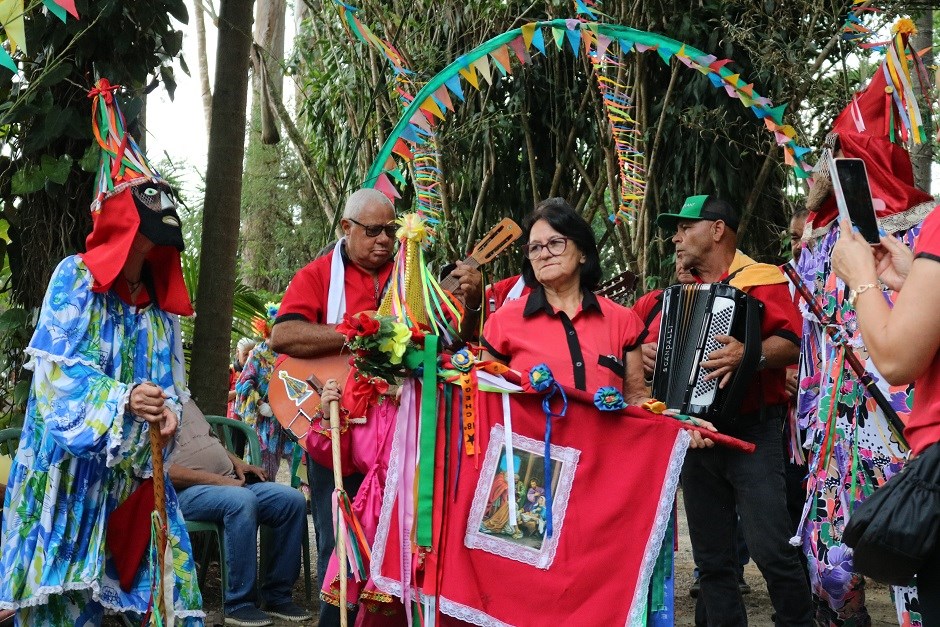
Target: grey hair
[245, 344]
[363, 197]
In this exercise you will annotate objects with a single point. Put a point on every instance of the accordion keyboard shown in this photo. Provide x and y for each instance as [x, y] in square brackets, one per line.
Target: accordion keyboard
[703, 392]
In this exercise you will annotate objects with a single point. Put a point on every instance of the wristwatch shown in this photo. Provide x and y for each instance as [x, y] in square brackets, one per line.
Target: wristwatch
[853, 294]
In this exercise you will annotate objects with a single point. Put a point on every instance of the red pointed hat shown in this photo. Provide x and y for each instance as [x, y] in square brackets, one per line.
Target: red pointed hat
[114, 215]
[871, 128]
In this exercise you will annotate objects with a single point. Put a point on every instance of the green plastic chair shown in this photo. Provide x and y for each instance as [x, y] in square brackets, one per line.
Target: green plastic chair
[224, 429]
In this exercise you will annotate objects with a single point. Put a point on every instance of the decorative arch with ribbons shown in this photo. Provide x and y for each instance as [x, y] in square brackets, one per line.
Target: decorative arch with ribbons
[430, 105]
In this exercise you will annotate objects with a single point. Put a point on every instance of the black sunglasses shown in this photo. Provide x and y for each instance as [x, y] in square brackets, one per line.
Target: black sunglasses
[373, 230]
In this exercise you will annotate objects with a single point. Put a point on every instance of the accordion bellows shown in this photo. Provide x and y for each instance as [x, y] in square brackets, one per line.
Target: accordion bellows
[692, 316]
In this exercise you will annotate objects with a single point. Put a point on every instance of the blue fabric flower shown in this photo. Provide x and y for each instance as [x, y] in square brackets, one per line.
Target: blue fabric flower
[609, 398]
[541, 378]
[462, 360]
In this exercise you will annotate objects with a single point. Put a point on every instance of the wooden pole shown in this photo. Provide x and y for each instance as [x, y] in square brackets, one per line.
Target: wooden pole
[340, 537]
[159, 498]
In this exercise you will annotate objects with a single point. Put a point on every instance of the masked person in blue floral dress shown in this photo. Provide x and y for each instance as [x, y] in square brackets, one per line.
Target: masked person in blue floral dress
[107, 367]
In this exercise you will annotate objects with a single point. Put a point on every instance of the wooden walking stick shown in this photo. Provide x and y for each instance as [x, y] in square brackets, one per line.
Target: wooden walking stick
[340, 536]
[159, 498]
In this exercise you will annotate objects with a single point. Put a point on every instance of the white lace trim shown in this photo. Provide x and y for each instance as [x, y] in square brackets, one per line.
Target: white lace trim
[500, 546]
[37, 353]
[637, 615]
[894, 223]
[41, 597]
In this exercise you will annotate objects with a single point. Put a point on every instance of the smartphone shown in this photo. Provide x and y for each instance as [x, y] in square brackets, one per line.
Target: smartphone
[853, 193]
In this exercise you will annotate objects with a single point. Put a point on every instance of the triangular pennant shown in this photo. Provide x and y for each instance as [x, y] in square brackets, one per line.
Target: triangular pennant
[501, 56]
[745, 100]
[732, 79]
[715, 80]
[528, 33]
[759, 111]
[625, 45]
[800, 151]
[453, 84]
[470, 74]
[731, 91]
[558, 34]
[777, 113]
[665, 54]
[747, 89]
[55, 9]
[420, 121]
[574, 40]
[390, 163]
[385, 186]
[587, 40]
[431, 106]
[401, 149]
[642, 47]
[398, 176]
[538, 40]
[519, 48]
[788, 156]
[801, 173]
[787, 130]
[443, 98]
[68, 5]
[602, 44]
[410, 133]
[717, 65]
[7, 61]
[781, 138]
[482, 65]
[11, 16]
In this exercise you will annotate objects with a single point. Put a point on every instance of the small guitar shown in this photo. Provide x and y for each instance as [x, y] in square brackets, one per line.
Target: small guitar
[294, 389]
[618, 288]
[497, 240]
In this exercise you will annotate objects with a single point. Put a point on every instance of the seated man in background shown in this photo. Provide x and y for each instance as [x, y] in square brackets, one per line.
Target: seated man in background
[215, 485]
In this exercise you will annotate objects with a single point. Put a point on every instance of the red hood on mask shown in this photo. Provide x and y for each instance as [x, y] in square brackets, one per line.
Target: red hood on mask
[109, 243]
[890, 174]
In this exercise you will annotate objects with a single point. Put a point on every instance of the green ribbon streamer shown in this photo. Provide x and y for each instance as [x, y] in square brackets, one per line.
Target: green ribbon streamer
[427, 443]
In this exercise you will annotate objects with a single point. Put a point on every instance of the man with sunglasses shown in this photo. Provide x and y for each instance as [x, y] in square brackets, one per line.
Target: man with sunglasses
[352, 278]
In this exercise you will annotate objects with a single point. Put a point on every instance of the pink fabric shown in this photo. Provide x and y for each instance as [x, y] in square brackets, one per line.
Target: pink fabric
[368, 448]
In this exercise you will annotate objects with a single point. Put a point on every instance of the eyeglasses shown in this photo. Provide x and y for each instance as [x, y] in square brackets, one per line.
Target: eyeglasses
[555, 247]
[373, 230]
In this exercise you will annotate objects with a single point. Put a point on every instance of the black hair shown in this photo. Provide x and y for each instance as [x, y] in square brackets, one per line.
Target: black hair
[563, 218]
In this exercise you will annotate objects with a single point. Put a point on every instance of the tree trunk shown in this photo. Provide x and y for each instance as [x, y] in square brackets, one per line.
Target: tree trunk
[212, 335]
[262, 195]
[203, 63]
[922, 154]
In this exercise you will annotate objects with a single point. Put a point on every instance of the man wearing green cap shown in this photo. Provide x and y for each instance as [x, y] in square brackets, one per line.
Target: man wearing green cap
[719, 484]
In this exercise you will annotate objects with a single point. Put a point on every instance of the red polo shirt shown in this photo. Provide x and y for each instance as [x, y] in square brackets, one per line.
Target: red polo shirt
[649, 309]
[307, 294]
[923, 425]
[585, 352]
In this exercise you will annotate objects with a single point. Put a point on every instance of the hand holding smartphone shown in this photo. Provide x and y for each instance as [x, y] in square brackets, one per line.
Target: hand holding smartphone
[853, 196]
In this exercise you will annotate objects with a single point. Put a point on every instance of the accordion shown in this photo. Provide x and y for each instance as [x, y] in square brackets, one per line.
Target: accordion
[692, 315]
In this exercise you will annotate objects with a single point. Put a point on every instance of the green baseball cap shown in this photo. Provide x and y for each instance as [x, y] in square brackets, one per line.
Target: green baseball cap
[701, 208]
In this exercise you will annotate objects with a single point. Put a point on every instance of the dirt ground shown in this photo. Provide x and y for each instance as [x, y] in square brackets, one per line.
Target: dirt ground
[759, 608]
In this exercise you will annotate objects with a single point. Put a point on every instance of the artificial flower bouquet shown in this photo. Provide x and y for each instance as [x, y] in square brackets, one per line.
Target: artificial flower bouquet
[378, 344]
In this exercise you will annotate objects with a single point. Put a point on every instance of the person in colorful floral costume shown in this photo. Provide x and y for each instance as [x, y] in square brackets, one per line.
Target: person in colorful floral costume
[107, 366]
[251, 399]
[852, 451]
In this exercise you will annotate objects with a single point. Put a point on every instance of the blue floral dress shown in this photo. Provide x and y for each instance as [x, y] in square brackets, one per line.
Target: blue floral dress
[82, 454]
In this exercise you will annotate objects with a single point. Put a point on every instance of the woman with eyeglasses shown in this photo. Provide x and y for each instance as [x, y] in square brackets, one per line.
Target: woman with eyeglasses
[587, 341]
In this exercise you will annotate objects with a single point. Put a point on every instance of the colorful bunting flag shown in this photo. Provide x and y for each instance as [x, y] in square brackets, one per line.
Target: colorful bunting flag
[55, 9]
[68, 5]
[501, 57]
[11, 16]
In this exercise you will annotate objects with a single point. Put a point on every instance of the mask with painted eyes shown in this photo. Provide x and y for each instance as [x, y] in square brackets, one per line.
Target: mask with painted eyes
[159, 221]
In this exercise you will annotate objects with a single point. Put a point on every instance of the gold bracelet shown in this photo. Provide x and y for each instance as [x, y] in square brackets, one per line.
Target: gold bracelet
[853, 294]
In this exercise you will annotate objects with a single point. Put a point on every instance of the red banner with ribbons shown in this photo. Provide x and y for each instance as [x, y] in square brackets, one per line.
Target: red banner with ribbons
[612, 477]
